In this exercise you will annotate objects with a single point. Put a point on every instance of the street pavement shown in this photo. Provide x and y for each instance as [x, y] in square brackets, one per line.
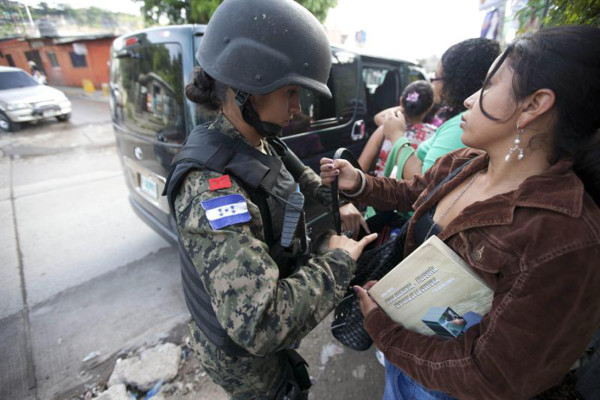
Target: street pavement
[82, 277]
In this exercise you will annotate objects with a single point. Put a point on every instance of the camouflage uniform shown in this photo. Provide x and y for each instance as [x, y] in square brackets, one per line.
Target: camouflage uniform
[259, 311]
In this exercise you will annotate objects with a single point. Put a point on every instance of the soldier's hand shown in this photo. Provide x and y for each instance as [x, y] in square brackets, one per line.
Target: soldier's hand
[348, 176]
[351, 246]
[352, 220]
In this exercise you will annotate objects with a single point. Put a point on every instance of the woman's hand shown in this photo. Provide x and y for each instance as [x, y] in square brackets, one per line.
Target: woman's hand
[366, 302]
[380, 117]
[352, 220]
[351, 246]
[348, 176]
[394, 126]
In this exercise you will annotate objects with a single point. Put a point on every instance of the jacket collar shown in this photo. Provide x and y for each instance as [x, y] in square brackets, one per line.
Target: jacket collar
[558, 189]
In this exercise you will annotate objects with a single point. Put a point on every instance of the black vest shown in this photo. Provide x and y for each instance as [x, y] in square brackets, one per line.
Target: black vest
[264, 178]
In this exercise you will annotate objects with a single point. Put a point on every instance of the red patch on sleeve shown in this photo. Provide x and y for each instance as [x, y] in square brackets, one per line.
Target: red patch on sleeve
[222, 182]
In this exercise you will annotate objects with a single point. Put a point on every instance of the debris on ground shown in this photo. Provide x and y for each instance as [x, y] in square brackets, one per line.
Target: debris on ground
[91, 355]
[328, 351]
[116, 392]
[150, 366]
[163, 372]
[360, 371]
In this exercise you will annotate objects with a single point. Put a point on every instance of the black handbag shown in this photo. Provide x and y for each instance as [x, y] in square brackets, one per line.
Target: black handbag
[376, 260]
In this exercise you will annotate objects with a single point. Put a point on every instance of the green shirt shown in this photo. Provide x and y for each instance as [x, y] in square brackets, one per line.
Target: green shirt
[446, 139]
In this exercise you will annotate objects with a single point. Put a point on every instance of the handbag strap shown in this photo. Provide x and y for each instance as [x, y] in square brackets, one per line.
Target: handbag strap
[347, 155]
[398, 156]
[448, 178]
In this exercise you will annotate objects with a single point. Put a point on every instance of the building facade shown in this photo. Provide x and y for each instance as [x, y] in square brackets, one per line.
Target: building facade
[66, 61]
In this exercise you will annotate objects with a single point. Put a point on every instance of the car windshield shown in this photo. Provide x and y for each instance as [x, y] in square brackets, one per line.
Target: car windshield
[15, 79]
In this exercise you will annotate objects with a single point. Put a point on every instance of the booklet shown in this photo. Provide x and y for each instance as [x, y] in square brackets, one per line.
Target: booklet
[433, 291]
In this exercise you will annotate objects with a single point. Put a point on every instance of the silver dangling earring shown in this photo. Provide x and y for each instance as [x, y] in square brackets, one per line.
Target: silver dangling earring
[516, 146]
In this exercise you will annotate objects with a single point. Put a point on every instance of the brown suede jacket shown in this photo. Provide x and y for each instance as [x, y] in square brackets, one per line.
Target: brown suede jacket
[538, 247]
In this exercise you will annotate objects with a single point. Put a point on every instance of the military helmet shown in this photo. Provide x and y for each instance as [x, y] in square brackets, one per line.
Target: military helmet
[258, 46]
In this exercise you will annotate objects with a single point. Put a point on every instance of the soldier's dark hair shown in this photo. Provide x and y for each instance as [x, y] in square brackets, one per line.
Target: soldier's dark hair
[565, 60]
[464, 67]
[205, 91]
[417, 98]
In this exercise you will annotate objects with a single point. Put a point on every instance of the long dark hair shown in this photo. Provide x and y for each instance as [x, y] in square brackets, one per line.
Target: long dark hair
[565, 60]
[464, 67]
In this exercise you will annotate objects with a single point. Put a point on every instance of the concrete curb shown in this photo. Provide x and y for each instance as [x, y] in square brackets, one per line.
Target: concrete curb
[98, 95]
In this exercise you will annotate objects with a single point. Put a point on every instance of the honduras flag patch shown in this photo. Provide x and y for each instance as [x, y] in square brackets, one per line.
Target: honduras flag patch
[226, 210]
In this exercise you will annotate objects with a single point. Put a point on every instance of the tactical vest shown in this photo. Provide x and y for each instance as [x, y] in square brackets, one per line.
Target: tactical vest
[266, 180]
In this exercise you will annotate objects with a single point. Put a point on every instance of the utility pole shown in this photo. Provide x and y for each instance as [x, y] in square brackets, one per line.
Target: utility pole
[29, 15]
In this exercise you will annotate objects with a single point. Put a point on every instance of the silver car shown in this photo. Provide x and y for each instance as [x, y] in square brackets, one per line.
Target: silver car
[23, 99]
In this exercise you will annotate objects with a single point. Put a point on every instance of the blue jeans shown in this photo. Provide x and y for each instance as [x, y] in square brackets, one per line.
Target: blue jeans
[399, 386]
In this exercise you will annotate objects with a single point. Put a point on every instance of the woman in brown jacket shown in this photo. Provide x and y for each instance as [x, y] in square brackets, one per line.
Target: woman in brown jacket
[523, 213]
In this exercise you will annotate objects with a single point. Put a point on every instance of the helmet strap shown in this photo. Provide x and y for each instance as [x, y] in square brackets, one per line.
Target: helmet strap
[265, 129]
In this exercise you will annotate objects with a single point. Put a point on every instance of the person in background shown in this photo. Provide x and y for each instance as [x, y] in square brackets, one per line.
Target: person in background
[522, 210]
[37, 73]
[404, 132]
[415, 103]
[459, 73]
[437, 115]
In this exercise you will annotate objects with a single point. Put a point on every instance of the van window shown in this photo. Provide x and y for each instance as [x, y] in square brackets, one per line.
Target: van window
[318, 111]
[415, 74]
[382, 86]
[147, 85]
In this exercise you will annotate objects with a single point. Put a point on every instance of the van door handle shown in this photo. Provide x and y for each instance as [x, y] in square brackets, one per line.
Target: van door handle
[360, 125]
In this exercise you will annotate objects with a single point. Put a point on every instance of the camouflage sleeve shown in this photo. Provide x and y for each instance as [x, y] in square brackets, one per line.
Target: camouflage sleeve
[310, 184]
[259, 311]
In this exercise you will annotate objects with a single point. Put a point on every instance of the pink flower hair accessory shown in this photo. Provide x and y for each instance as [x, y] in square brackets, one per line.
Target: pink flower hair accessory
[412, 97]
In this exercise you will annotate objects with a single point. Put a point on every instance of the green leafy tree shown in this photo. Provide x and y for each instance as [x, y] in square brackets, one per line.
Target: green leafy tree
[200, 11]
[11, 19]
[559, 12]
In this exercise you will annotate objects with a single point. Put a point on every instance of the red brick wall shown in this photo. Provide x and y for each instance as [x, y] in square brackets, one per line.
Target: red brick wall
[98, 55]
[16, 48]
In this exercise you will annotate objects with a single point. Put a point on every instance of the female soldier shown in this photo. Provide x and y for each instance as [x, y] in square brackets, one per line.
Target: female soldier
[523, 213]
[253, 290]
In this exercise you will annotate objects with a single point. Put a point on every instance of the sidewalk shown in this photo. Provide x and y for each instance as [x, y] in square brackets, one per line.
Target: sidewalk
[76, 91]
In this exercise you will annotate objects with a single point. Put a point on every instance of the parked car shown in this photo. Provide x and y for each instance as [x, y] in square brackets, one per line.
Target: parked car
[23, 99]
[152, 117]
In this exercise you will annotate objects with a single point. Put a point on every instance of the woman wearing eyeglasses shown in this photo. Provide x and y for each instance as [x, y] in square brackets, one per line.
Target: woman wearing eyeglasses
[459, 73]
